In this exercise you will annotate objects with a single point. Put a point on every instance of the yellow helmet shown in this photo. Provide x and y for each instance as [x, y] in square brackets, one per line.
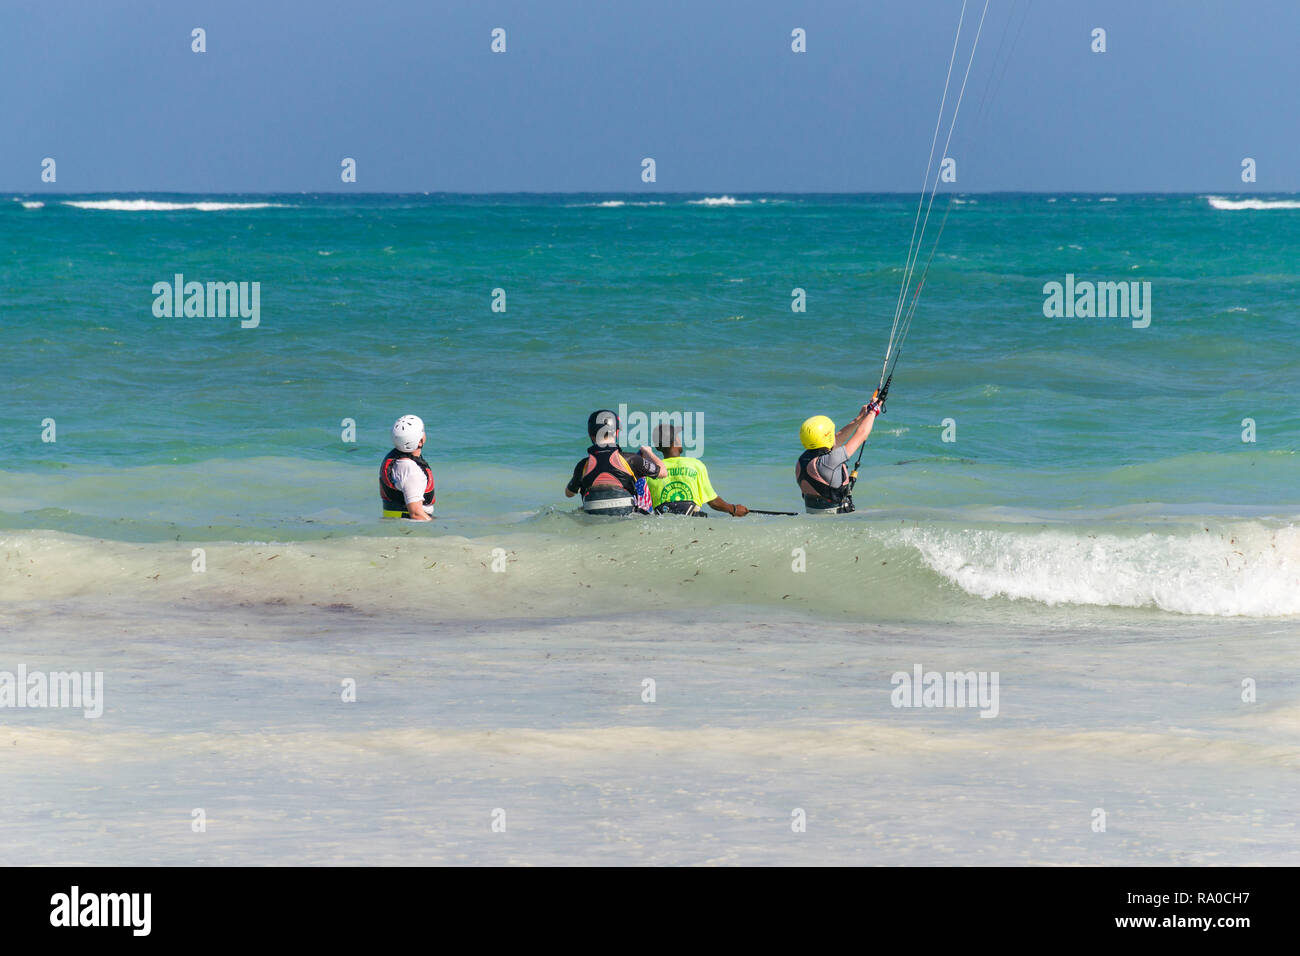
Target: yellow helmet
[817, 432]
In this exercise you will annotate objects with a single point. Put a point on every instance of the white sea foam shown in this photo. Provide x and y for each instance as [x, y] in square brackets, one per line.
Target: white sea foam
[33, 205]
[153, 205]
[614, 204]
[721, 201]
[1218, 202]
[1251, 570]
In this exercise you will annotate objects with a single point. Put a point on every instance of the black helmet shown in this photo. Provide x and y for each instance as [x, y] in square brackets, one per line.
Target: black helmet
[604, 424]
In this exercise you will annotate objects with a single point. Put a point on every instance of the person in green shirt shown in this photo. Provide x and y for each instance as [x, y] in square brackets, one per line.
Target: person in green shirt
[686, 487]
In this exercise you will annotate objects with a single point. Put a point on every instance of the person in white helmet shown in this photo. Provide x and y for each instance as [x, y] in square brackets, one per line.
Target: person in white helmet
[405, 478]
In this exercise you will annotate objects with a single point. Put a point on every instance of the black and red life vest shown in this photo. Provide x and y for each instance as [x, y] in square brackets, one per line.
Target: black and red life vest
[819, 495]
[608, 485]
[394, 499]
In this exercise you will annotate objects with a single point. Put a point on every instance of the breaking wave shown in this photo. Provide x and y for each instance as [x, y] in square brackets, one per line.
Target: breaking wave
[558, 561]
[1246, 570]
[1218, 202]
[720, 201]
[153, 205]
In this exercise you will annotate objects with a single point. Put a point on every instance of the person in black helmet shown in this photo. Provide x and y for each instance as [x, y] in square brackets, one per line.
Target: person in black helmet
[606, 478]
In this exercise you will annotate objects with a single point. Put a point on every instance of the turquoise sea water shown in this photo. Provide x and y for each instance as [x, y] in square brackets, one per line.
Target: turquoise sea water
[197, 429]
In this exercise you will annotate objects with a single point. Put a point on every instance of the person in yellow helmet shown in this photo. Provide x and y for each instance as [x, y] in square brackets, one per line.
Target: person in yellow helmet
[823, 470]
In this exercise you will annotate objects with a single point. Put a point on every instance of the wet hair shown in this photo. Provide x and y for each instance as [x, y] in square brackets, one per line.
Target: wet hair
[667, 436]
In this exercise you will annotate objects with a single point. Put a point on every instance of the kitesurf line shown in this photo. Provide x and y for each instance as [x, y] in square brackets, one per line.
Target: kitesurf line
[984, 100]
[925, 182]
[993, 85]
[905, 309]
[907, 321]
[911, 311]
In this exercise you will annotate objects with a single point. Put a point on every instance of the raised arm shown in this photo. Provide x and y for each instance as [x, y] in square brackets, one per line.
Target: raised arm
[852, 435]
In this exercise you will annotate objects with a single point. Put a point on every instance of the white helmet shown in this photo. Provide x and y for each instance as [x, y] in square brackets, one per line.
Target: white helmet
[407, 432]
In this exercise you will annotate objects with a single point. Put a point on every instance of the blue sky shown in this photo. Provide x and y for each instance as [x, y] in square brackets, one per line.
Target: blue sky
[587, 88]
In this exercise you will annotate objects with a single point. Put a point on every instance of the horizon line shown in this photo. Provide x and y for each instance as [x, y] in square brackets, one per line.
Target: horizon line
[686, 192]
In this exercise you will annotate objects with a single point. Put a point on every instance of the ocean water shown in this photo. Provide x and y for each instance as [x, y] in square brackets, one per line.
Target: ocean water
[1067, 502]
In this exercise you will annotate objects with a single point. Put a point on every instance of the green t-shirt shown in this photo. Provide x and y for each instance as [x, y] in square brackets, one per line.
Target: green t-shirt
[688, 480]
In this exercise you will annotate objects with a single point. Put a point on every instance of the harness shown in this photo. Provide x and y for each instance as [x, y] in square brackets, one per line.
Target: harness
[819, 495]
[679, 508]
